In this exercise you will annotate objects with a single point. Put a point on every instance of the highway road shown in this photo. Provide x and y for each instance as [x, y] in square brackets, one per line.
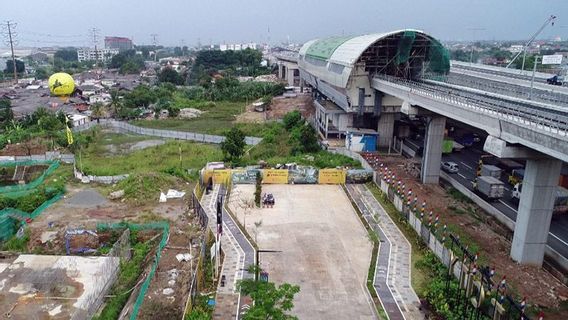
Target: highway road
[467, 160]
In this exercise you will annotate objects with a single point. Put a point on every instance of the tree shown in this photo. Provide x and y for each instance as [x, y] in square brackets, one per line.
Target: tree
[20, 66]
[258, 189]
[234, 145]
[66, 55]
[98, 110]
[6, 114]
[41, 74]
[270, 301]
[292, 119]
[115, 104]
[171, 76]
[304, 139]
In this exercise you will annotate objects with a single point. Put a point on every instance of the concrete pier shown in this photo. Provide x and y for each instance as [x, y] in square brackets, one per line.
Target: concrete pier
[432, 157]
[535, 210]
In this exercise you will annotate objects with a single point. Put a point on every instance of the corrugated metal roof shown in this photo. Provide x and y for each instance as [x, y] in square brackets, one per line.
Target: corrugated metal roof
[305, 47]
[349, 52]
[324, 48]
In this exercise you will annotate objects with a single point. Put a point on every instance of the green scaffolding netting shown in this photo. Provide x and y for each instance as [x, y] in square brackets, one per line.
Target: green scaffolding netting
[438, 57]
[165, 227]
[53, 165]
[11, 218]
[405, 46]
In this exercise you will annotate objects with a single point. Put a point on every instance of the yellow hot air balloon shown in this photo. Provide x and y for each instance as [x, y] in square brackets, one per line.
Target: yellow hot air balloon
[61, 84]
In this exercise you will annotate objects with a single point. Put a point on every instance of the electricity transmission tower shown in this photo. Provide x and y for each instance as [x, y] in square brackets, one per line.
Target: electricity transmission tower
[155, 44]
[10, 39]
[95, 37]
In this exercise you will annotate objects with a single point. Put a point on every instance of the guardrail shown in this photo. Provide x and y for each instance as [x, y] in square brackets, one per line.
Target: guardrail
[171, 134]
[523, 114]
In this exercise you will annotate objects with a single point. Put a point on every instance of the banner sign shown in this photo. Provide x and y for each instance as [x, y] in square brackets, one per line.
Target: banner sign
[275, 176]
[331, 176]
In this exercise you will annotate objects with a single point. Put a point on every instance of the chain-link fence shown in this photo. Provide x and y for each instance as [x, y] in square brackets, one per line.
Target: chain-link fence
[170, 134]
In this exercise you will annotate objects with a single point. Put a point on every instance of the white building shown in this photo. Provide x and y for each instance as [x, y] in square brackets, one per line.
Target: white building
[238, 46]
[89, 54]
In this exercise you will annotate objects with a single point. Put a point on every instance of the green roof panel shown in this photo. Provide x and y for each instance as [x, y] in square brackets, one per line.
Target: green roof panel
[324, 48]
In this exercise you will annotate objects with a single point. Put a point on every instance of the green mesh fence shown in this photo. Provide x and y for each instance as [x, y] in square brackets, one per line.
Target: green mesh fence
[11, 218]
[405, 46]
[53, 165]
[438, 57]
[165, 227]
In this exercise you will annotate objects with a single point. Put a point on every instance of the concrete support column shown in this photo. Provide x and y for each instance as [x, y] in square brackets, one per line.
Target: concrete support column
[535, 210]
[280, 71]
[385, 129]
[432, 155]
[290, 77]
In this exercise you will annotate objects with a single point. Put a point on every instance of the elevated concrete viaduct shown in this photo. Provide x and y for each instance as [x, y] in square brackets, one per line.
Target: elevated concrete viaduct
[364, 82]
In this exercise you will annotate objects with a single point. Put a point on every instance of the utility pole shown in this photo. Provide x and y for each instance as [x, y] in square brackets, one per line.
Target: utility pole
[473, 41]
[95, 35]
[155, 44]
[10, 35]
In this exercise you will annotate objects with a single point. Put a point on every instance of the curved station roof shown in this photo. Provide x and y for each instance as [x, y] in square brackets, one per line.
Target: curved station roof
[404, 53]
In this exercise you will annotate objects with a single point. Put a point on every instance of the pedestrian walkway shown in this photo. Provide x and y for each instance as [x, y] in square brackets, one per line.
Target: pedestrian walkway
[227, 300]
[392, 280]
[239, 255]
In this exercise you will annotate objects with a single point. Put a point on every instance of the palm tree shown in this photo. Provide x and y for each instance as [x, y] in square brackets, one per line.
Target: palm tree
[98, 110]
[115, 104]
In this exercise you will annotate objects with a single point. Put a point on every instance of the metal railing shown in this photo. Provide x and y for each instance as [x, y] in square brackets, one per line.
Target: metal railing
[535, 117]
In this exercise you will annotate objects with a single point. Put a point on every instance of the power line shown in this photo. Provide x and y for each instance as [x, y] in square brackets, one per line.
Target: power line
[10, 27]
[51, 35]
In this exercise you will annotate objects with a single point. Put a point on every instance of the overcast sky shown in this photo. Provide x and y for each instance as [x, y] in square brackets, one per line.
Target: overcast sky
[67, 22]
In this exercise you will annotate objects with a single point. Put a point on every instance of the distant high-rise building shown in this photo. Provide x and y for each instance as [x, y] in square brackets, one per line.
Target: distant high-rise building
[119, 43]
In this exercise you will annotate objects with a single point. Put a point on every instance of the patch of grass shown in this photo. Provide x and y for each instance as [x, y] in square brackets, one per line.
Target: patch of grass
[218, 118]
[16, 244]
[454, 193]
[154, 159]
[108, 138]
[144, 188]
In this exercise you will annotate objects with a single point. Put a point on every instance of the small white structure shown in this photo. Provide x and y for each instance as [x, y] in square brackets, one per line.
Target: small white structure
[79, 119]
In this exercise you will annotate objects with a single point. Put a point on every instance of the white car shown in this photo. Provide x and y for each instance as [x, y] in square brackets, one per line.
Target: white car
[450, 167]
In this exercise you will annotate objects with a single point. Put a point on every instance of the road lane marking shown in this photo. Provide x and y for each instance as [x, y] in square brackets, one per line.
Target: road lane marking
[552, 234]
[465, 165]
[461, 175]
[506, 205]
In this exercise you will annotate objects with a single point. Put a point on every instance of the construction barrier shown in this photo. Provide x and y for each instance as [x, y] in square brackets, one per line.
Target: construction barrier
[275, 176]
[331, 176]
[53, 165]
[296, 175]
[221, 176]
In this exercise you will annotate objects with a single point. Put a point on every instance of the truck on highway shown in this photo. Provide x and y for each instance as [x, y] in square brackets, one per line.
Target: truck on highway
[560, 202]
[516, 176]
[509, 165]
[489, 187]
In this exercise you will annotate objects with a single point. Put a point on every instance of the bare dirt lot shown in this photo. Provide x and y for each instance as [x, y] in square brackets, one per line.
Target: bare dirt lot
[324, 247]
[491, 237]
[278, 108]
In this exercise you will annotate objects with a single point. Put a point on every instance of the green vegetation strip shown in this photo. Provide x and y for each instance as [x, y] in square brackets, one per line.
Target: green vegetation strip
[165, 227]
[374, 238]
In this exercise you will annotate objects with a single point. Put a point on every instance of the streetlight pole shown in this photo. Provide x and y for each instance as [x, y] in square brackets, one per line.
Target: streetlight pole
[532, 78]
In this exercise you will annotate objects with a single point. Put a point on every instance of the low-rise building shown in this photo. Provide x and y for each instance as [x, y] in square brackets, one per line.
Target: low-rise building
[89, 54]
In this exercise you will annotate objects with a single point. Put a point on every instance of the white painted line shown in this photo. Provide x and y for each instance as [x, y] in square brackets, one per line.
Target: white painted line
[465, 165]
[506, 205]
[564, 242]
[461, 175]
